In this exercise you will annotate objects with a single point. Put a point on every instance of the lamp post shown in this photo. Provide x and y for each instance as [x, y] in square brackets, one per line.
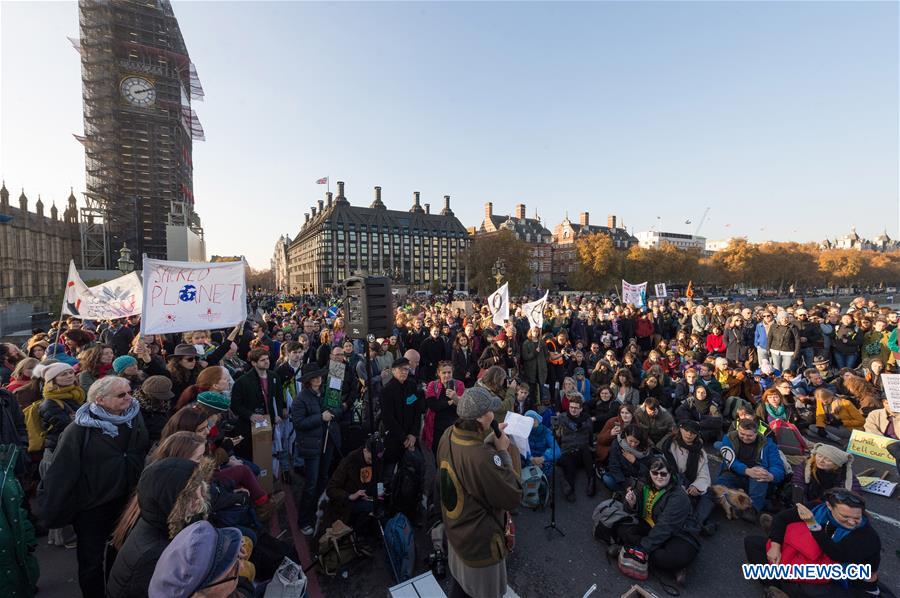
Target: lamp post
[125, 263]
[499, 270]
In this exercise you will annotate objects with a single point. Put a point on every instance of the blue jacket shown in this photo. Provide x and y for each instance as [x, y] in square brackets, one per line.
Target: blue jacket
[542, 444]
[759, 337]
[769, 459]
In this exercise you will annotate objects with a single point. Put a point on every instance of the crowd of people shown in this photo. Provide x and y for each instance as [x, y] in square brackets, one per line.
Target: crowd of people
[134, 451]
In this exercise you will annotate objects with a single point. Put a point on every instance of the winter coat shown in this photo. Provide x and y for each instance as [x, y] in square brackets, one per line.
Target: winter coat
[465, 366]
[689, 410]
[605, 438]
[575, 433]
[656, 427]
[604, 411]
[351, 476]
[18, 543]
[436, 401]
[678, 456]
[160, 486]
[784, 338]
[12, 422]
[306, 416]
[542, 444]
[621, 469]
[91, 469]
[630, 395]
[494, 355]
[877, 422]
[670, 513]
[432, 350]
[760, 335]
[735, 347]
[850, 417]
[847, 340]
[247, 399]
[401, 410]
[804, 491]
[56, 415]
[767, 456]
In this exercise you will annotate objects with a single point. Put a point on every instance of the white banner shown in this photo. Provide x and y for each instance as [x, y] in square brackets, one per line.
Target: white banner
[498, 301]
[534, 311]
[660, 289]
[182, 296]
[635, 294]
[891, 383]
[118, 298]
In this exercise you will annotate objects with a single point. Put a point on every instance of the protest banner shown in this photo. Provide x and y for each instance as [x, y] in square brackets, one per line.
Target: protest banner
[498, 301]
[534, 311]
[871, 446]
[118, 298]
[891, 383]
[182, 296]
[660, 289]
[635, 294]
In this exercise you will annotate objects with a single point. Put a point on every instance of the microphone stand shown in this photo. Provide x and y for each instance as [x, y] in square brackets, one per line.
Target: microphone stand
[552, 525]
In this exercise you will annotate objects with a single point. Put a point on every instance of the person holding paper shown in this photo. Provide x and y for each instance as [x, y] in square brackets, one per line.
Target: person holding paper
[256, 396]
[886, 422]
[574, 429]
[441, 396]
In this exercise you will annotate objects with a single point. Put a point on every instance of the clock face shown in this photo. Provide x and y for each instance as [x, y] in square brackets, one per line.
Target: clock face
[138, 91]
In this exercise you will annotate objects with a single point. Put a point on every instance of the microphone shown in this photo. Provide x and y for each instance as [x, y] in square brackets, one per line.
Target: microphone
[496, 428]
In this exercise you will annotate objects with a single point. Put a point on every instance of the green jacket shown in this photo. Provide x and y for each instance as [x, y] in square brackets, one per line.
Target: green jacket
[18, 566]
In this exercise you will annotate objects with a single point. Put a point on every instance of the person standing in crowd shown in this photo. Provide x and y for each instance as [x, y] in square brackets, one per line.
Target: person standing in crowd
[479, 486]
[256, 396]
[118, 335]
[434, 349]
[783, 342]
[441, 397]
[98, 460]
[761, 337]
[201, 562]
[96, 362]
[535, 363]
[465, 364]
[401, 410]
[311, 424]
[182, 366]
[847, 342]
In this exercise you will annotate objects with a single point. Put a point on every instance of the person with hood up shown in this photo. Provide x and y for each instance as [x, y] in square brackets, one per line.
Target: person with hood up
[170, 491]
[703, 410]
[543, 450]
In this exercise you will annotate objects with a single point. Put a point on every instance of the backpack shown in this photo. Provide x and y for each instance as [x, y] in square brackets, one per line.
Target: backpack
[401, 546]
[408, 484]
[606, 516]
[788, 438]
[337, 550]
[535, 487]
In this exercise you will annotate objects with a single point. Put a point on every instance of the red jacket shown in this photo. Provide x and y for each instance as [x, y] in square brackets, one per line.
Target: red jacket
[644, 327]
[715, 343]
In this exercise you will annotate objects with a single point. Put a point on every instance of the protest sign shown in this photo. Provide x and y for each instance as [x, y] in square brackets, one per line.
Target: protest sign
[182, 296]
[635, 294]
[660, 289]
[534, 311]
[891, 383]
[877, 485]
[118, 298]
[871, 446]
[498, 301]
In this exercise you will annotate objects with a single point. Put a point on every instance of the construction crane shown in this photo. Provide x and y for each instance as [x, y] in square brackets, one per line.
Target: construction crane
[702, 220]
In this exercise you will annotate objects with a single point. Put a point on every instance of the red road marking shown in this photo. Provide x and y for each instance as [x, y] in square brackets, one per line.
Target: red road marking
[312, 581]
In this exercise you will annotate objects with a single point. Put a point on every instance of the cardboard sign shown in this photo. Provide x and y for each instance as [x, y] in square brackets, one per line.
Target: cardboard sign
[660, 289]
[871, 446]
[891, 384]
[465, 307]
[261, 438]
[877, 486]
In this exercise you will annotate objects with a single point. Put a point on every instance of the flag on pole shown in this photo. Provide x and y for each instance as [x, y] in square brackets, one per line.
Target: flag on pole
[76, 292]
[498, 301]
[534, 311]
[117, 298]
[689, 292]
[322, 181]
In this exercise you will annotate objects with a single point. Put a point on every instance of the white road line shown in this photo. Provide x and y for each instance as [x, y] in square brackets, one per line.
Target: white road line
[884, 518]
[510, 593]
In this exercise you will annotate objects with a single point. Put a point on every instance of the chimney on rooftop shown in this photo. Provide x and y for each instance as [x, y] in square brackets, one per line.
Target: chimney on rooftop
[417, 206]
[306, 218]
[488, 210]
[321, 205]
[313, 211]
[584, 219]
[520, 211]
[428, 208]
[340, 195]
[328, 199]
[611, 221]
[446, 211]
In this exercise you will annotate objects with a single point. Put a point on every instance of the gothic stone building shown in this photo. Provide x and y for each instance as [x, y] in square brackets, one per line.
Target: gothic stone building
[418, 249]
[530, 230]
[35, 251]
[566, 233]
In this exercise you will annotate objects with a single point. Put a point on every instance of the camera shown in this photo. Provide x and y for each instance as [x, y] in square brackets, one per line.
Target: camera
[437, 561]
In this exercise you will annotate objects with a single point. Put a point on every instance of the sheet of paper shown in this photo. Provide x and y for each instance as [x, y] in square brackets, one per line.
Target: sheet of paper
[335, 383]
[518, 428]
[882, 487]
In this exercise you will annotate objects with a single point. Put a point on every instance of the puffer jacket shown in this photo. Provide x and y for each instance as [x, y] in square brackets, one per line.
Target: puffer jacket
[306, 415]
[56, 415]
[158, 490]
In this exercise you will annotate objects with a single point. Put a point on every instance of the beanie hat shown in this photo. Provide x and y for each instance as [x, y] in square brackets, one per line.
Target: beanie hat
[123, 361]
[836, 456]
[158, 387]
[53, 370]
[214, 400]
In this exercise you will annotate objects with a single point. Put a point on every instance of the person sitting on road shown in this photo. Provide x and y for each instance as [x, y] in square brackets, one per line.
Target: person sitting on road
[826, 467]
[629, 457]
[705, 411]
[837, 528]
[836, 417]
[657, 421]
[886, 422]
[611, 430]
[350, 489]
[773, 407]
[543, 450]
[683, 449]
[575, 430]
[751, 462]
[663, 511]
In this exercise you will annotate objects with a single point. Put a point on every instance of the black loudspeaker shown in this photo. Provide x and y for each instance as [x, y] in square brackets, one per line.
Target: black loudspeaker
[370, 307]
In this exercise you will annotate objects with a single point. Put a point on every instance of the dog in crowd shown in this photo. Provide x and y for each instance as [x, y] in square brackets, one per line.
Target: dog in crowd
[732, 501]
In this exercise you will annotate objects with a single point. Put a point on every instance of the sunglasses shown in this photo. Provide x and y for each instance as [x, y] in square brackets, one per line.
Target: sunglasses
[189, 359]
[660, 473]
[122, 395]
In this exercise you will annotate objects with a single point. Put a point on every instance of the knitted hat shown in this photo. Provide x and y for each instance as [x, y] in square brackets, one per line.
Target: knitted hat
[158, 387]
[53, 370]
[501, 336]
[122, 362]
[214, 400]
[475, 402]
[836, 456]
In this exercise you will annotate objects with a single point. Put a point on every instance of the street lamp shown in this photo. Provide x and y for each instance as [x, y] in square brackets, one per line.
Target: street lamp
[499, 270]
[125, 263]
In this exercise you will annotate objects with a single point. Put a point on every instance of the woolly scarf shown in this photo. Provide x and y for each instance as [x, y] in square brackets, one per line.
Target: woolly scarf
[779, 413]
[626, 448]
[92, 415]
[824, 518]
[62, 393]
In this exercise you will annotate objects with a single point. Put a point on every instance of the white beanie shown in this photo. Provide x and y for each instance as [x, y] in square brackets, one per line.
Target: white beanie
[49, 372]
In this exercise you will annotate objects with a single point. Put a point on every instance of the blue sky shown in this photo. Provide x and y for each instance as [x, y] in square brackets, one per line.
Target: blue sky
[783, 117]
